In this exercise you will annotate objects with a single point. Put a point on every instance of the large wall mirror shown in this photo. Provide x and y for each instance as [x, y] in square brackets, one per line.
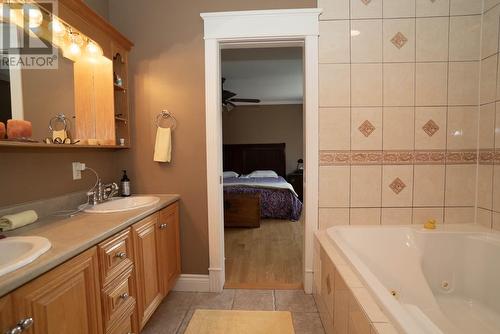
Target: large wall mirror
[71, 103]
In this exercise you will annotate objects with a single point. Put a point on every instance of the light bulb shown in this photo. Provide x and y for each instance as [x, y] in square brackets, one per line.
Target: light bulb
[58, 28]
[35, 17]
[93, 49]
[74, 49]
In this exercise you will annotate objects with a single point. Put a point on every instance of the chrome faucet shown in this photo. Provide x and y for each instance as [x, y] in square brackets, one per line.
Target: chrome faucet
[101, 192]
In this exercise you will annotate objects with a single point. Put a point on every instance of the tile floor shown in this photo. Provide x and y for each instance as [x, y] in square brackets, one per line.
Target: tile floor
[175, 312]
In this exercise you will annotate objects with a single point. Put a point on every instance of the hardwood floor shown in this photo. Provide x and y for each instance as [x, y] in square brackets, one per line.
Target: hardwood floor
[269, 257]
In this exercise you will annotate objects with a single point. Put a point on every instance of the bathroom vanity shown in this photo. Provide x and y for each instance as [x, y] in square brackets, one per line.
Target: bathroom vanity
[105, 273]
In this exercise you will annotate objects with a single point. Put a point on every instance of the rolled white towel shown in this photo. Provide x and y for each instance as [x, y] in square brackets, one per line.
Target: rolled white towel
[17, 220]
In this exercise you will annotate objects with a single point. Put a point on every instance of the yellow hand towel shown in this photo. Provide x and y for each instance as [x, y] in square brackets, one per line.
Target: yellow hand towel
[17, 220]
[163, 145]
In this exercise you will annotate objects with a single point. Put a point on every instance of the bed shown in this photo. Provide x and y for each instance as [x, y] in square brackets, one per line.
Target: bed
[274, 198]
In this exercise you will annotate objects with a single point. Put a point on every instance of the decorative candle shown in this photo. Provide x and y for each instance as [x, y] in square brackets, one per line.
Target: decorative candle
[2, 130]
[17, 128]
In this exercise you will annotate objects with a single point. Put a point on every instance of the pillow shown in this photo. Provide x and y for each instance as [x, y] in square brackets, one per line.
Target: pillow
[229, 174]
[263, 173]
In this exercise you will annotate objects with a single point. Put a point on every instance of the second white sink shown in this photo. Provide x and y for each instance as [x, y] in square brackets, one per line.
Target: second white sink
[119, 204]
[16, 252]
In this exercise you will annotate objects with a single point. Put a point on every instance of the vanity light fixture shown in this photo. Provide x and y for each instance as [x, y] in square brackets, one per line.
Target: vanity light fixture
[74, 46]
[64, 36]
[58, 28]
[35, 17]
[92, 49]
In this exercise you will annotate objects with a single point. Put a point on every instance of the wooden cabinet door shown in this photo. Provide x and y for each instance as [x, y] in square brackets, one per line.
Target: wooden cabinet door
[64, 300]
[169, 247]
[7, 319]
[145, 240]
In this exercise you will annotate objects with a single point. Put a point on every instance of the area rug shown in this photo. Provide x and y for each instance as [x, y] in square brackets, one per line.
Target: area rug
[240, 322]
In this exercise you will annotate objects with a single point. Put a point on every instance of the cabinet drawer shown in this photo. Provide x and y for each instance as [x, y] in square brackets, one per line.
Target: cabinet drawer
[118, 298]
[115, 255]
[124, 326]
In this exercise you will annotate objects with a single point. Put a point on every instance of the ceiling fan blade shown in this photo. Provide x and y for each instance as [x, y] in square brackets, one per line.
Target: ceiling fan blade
[226, 95]
[246, 100]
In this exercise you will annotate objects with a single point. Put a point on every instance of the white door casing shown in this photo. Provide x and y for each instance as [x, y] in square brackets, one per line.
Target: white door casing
[248, 27]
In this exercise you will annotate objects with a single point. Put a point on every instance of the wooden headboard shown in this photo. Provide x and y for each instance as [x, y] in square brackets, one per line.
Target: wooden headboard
[245, 158]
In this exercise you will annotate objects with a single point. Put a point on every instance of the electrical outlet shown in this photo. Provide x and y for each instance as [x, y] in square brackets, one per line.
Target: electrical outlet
[77, 170]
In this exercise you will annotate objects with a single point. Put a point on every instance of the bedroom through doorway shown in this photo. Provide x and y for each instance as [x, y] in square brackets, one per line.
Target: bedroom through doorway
[263, 159]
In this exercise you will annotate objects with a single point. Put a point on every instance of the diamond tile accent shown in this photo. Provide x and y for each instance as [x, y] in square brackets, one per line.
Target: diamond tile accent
[399, 40]
[366, 128]
[366, 2]
[430, 128]
[397, 185]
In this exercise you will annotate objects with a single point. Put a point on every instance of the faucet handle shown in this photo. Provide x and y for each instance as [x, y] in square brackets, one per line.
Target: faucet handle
[110, 190]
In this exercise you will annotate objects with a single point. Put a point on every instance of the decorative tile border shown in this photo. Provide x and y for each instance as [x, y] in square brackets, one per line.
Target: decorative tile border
[489, 156]
[431, 157]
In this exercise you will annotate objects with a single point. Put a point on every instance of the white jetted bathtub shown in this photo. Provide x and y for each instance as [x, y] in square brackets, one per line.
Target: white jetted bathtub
[429, 281]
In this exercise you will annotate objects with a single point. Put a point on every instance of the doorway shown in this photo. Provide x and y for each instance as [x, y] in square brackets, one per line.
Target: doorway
[262, 132]
[251, 29]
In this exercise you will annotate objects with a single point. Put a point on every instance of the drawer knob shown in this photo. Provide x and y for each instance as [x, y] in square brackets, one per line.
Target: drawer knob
[163, 226]
[121, 255]
[124, 296]
[21, 326]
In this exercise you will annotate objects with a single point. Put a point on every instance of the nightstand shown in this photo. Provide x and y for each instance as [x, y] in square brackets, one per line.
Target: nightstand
[296, 179]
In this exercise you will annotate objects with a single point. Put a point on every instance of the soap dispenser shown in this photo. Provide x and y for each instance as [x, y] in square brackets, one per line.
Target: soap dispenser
[125, 184]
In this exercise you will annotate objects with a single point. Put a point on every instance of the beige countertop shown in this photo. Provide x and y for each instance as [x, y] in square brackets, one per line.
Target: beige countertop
[71, 236]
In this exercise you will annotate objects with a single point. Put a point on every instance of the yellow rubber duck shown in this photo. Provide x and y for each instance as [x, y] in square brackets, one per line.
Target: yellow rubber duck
[430, 224]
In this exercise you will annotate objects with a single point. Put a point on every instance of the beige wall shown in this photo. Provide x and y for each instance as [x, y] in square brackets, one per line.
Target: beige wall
[266, 124]
[167, 71]
[99, 6]
[410, 66]
[488, 200]
[32, 174]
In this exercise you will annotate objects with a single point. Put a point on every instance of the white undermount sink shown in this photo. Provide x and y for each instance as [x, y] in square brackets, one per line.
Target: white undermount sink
[120, 204]
[16, 252]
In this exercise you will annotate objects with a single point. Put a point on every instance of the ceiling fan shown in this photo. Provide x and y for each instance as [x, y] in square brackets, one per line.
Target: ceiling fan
[228, 98]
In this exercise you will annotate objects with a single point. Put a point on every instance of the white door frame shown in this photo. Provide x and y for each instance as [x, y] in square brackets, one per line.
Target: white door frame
[259, 26]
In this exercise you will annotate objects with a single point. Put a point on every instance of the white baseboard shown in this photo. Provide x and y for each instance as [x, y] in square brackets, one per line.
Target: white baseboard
[308, 281]
[217, 279]
[195, 283]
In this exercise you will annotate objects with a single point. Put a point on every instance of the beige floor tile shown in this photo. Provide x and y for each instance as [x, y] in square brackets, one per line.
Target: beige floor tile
[294, 301]
[220, 301]
[307, 323]
[262, 300]
[165, 322]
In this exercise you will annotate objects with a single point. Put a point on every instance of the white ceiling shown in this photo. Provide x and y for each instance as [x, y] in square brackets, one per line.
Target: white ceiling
[273, 75]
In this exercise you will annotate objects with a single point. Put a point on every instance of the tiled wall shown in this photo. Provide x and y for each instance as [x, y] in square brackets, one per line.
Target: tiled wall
[488, 199]
[399, 104]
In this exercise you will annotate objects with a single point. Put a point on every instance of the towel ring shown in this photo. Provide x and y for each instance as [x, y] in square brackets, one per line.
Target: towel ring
[61, 118]
[165, 114]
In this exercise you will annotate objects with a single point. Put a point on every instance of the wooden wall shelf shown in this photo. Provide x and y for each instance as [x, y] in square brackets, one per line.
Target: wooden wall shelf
[22, 145]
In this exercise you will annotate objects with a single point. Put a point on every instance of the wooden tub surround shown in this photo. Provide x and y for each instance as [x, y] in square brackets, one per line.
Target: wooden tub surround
[130, 262]
[344, 304]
